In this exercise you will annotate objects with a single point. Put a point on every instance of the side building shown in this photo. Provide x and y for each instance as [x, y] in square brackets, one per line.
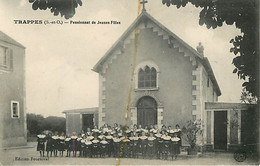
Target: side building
[13, 127]
[80, 119]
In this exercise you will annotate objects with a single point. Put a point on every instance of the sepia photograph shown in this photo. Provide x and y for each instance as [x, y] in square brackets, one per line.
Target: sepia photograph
[129, 82]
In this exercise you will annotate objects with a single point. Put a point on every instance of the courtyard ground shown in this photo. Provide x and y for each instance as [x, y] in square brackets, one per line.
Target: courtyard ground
[8, 157]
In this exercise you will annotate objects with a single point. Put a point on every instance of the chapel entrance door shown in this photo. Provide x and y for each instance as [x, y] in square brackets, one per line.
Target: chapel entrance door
[146, 111]
[220, 130]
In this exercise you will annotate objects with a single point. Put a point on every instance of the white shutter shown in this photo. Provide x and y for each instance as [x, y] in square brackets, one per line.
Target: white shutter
[9, 58]
[2, 55]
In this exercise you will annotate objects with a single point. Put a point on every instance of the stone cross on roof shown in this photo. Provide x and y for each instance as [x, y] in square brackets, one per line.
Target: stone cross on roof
[143, 3]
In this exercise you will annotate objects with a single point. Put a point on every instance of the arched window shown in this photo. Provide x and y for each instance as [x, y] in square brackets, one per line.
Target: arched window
[147, 77]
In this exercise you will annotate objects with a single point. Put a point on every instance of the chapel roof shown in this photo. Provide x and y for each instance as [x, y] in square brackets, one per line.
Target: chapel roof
[7, 39]
[144, 16]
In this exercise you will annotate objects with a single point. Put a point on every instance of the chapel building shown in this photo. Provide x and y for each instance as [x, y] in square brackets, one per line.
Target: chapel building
[157, 75]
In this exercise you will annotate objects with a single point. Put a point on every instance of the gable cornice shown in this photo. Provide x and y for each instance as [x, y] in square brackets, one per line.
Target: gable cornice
[145, 20]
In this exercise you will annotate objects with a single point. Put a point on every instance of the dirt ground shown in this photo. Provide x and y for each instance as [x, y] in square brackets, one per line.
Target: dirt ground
[29, 156]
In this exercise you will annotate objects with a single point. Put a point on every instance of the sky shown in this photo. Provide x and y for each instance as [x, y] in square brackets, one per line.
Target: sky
[59, 58]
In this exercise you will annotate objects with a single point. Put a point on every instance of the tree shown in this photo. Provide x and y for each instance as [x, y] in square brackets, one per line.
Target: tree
[244, 14]
[34, 123]
[37, 124]
[65, 8]
[54, 123]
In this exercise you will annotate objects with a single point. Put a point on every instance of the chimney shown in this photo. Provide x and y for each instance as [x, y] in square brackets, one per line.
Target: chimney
[200, 49]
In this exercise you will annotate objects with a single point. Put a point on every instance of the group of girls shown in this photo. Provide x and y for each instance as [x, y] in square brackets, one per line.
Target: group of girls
[117, 141]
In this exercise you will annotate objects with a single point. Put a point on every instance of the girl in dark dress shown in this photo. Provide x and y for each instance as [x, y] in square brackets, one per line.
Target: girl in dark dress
[55, 141]
[101, 136]
[116, 128]
[151, 128]
[120, 133]
[95, 146]
[49, 145]
[125, 143]
[90, 136]
[170, 131]
[88, 148]
[164, 128]
[134, 128]
[104, 147]
[133, 144]
[82, 147]
[73, 146]
[105, 129]
[159, 144]
[151, 145]
[139, 130]
[109, 139]
[41, 144]
[146, 131]
[88, 131]
[143, 144]
[155, 129]
[95, 131]
[116, 143]
[178, 132]
[61, 144]
[128, 131]
[166, 145]
[175, 148]
[78, 146]
[68, 145]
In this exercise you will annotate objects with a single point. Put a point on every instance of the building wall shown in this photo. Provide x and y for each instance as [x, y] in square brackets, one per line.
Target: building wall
[74, 122]
[175, 80]
[13, 131]
[209, 94]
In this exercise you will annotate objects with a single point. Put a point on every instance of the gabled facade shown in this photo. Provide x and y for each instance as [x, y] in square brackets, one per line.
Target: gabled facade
[13, 131]
[151, 76]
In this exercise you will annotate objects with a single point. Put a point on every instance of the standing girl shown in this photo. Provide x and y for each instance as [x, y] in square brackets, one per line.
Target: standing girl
[41, 146]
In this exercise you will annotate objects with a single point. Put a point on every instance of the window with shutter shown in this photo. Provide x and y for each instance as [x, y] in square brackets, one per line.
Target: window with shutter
[15, 110]
[6, 58]
[3, 57]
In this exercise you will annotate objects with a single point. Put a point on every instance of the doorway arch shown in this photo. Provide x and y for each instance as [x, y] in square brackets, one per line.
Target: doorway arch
[146, 111]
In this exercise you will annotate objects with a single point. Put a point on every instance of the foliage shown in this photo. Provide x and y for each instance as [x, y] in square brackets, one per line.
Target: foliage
[250, 125]
[36, 124]
[234, 120]
[247, 97]
[244, 13]
[192, 129]
[65, 8]
[54, 123]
